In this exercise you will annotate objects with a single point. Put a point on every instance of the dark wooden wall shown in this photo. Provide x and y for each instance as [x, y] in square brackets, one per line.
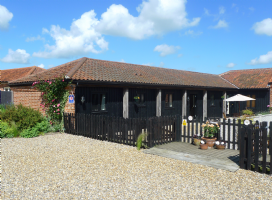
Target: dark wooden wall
[114, 100]
[150, 103]
[216, 109]
[177, 103]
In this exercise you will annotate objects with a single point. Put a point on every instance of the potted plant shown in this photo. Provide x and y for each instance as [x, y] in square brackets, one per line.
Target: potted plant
[209, 133]
[220, 144]
[197, 139]
[203, 145]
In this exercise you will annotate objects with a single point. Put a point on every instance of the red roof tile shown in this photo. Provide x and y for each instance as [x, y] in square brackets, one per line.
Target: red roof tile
[13, 74]
[249, 78]
[109, 71]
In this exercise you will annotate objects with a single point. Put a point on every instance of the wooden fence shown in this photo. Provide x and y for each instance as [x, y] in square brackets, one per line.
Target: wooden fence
[126, 131]
[255, 148]
[229, 130]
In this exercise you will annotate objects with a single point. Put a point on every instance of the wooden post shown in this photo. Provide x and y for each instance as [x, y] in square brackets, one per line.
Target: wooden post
[125, 103]
[158, 103]
[184, 104]
[224, 105]
[205, 104]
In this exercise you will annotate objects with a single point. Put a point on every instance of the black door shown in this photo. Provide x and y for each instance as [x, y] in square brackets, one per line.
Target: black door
[192, 105]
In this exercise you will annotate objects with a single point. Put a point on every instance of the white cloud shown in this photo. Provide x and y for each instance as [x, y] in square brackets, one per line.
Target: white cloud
[251, 8]
[207, 12]
[161, 64]
[230, 65]
[82, 38]
[220, 24]
[164, 49]
[122, 60]
[192, 33]
[148, 64]
[18, 56]
[41, 65]
[5, 17]
[180, 55]
[156, 17]
[263, 59]
[263, 27]
[222, 10]
[30, 39]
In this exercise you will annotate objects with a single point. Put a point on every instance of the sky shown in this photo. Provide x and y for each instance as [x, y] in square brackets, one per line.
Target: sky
[208, 36]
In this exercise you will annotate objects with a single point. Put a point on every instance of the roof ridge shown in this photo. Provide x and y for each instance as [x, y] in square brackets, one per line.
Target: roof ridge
[30, 71]
[75, 68]
[149, 66]
[245, 70]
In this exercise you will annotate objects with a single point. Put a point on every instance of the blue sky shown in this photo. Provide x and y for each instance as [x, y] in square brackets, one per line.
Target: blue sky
[210, 36]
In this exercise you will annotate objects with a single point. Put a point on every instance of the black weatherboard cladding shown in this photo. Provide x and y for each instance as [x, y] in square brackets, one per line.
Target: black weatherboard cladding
[149, 110]
[177, 103]
[114, 100]
[199, 102]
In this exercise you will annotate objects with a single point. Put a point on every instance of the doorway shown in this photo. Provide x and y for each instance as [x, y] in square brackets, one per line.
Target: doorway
[192, 105]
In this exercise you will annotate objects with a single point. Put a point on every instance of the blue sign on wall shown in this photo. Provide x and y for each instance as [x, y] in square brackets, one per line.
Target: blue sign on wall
[71, 98]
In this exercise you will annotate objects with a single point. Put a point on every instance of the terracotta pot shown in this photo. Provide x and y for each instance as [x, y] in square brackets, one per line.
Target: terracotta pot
[209, 141]
[220, 146]
[203, 146]
[197, 141]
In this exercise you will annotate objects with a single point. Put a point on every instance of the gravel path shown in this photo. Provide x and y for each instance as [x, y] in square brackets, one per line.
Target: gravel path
[63, 166]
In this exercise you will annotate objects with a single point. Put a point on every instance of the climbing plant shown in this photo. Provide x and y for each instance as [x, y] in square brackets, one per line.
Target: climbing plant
[54, 97]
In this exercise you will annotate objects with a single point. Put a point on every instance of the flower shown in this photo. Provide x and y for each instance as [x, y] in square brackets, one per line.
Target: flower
[58, 110]
[54, 106]
[53, 100]
[54, 111]
[63, 80]
[58, 105]
[58, 113]
[210, 129]
[202, 142]
[268, 105]
[220, 142]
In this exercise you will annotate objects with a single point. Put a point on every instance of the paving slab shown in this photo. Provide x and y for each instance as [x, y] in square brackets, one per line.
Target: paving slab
[220, 159]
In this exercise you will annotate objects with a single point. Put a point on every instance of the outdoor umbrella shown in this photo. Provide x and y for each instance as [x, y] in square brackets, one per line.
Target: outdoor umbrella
[239, 97]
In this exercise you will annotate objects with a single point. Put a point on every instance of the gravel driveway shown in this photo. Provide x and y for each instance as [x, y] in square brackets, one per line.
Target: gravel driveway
[63, 166]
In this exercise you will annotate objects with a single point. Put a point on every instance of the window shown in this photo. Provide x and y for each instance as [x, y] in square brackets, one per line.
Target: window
[169, 100]
[212, 99]
[6, 88]
[253, 103]
[98, 102]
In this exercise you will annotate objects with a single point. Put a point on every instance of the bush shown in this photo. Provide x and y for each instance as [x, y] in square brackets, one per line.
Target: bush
[7, 130]
[247, 112]
[40, 128]
[24, 117]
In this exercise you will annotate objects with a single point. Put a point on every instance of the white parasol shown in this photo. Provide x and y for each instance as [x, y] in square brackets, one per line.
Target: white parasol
[239, 97]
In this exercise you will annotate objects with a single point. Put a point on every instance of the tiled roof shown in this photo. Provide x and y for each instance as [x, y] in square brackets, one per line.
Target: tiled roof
[13, 74]
[108, 71]
[249, 78]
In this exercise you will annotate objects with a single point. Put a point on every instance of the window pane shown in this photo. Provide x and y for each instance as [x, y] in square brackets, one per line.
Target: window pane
[170, 100]
[166, 100]
[94, 102]
[142, 98]
[248, 102]
[253, 102]
[103, 102]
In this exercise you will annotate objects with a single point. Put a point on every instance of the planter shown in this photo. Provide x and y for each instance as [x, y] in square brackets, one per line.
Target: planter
[203, 146]
[209, 141]
[220, 146]
[197, 141]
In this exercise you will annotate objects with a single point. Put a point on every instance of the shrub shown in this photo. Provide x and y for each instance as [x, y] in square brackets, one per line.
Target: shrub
[247, 112]
[38, 129]
[24, 117]
[140, 140]
[7, 130]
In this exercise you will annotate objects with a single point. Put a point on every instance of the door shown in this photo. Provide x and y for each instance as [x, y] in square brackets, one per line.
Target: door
[192, 105]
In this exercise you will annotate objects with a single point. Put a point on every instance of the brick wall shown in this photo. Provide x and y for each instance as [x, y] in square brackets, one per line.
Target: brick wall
[3, 85]
[29, 96]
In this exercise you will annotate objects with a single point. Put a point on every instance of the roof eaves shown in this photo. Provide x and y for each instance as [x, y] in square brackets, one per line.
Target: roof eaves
[75, 68]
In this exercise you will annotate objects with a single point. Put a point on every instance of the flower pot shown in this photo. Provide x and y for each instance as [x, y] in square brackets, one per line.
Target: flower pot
[209, 141]
[220, 146]
[197, 141]
[203, 146]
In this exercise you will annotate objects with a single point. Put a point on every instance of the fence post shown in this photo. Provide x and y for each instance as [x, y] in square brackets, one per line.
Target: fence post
[177, 128]
[270, 146]
[256, 149]
[249, 147]
[242, 149]
[264, 141]
[239, 133]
